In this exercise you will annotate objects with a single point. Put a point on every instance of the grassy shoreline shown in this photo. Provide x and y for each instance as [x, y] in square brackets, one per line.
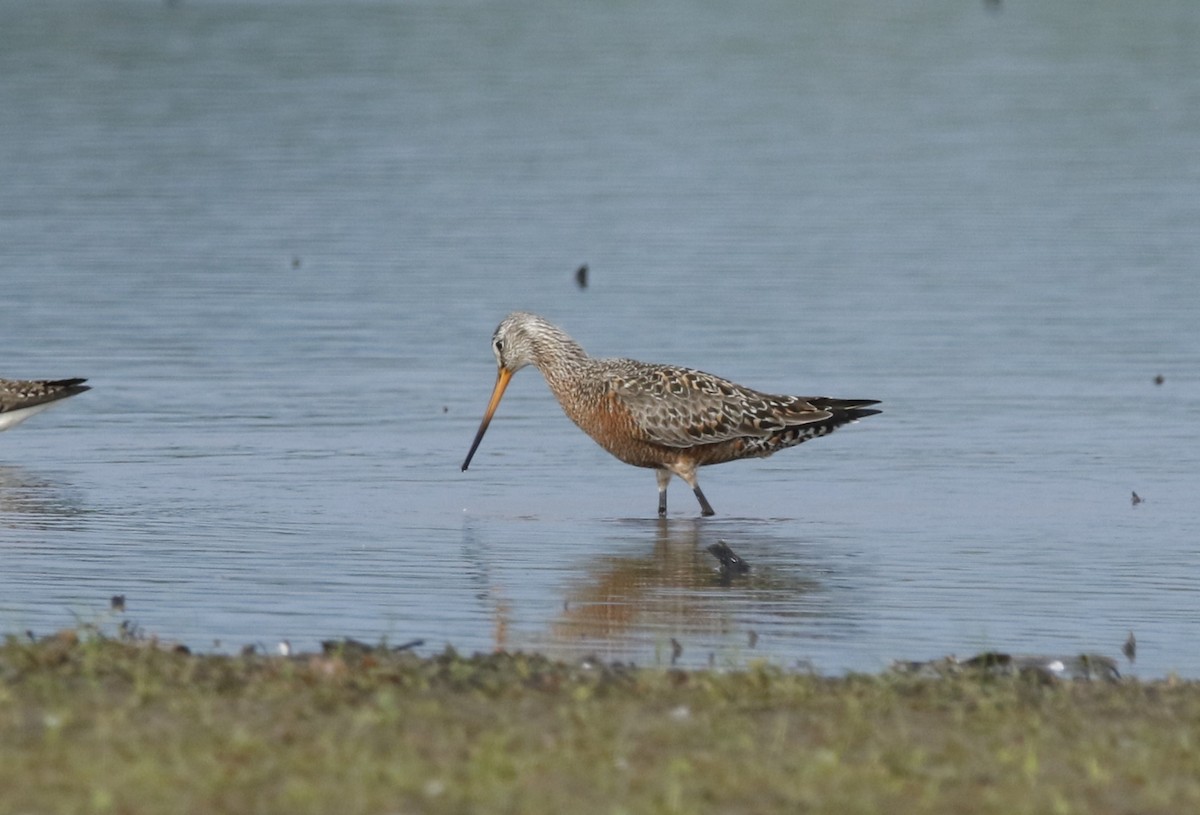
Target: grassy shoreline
[96, 724]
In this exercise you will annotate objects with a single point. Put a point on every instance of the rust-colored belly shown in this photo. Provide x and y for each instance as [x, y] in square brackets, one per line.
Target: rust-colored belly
[613, 427]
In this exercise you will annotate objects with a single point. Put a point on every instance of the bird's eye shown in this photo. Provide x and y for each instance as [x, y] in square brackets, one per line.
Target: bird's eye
[499, 347]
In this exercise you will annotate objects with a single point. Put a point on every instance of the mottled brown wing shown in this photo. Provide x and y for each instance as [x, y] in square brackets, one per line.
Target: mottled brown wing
[22, 393]
[681, 407]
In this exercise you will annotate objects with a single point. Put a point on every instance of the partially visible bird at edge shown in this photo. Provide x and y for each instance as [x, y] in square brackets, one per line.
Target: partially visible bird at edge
[21, 398]
[670, 419]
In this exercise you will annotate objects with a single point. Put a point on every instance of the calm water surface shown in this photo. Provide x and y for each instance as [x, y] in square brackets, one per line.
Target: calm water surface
[276, 236]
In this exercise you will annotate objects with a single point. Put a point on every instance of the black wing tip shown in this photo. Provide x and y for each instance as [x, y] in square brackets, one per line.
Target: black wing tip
[75, 383]
[851, 410]
[864, 405]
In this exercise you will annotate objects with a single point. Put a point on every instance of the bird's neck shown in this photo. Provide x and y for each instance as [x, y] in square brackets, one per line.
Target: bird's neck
[563, 363]
[559, 357]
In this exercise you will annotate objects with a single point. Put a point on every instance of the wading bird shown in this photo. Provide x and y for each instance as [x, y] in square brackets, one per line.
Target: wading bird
[672, 420]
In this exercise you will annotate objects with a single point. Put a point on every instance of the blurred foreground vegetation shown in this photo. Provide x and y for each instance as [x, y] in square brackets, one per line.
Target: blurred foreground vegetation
[96, 724]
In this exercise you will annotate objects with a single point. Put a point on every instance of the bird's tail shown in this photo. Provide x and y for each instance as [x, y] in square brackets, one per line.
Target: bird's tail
[846, 410]
[842, 411]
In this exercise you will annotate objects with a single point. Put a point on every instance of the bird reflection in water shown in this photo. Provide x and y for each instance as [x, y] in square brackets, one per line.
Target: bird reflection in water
[677, 589]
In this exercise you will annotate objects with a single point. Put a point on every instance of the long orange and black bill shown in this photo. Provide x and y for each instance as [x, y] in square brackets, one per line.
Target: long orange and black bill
[502, 377]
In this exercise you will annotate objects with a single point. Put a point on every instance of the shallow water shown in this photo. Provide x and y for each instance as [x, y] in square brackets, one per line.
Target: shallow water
[277, 236]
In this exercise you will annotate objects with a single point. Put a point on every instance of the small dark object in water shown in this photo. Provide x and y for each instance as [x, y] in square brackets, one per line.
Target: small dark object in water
[1130, 648]
[409, 645]
[117, 603]
[730, 563]
[676, 650]
[295, 263]
[1136, 499]
[581, 276]
[1158, 380]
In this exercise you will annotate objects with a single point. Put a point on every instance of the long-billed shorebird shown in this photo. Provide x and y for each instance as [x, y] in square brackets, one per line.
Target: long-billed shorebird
[672, 420]
[21, 398]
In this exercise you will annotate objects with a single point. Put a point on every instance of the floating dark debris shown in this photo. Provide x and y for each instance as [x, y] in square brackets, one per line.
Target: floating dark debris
[731, 564]
[676, 650]
[117, 603]
[1136, 499]
[1158, 380]
[581, 276]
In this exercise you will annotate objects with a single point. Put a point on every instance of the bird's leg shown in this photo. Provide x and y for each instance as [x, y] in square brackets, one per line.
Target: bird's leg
[686, 470]
[664, 478]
